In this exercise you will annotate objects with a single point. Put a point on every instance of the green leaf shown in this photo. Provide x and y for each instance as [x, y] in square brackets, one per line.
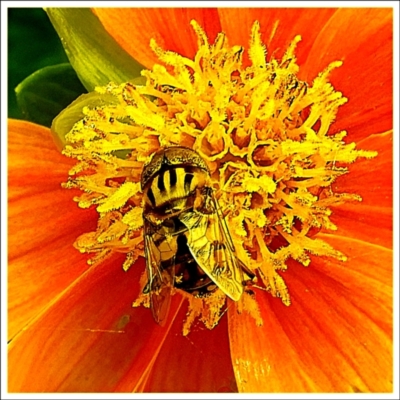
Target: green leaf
[32, 44]
[64, 122]
[96, 57]
[42, 95]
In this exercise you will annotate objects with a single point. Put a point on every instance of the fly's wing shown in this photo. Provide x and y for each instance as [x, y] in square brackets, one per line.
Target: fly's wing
[161, 280]
[211, 245]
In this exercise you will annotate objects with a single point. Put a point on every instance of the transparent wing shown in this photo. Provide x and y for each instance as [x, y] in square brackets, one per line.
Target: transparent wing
[161, 280]
[211, 246]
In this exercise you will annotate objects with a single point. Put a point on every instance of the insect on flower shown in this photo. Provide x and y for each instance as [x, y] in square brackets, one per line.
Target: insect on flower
[187, 242]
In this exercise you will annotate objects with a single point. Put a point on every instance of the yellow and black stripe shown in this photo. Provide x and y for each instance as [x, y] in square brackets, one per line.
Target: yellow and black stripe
[174, 183]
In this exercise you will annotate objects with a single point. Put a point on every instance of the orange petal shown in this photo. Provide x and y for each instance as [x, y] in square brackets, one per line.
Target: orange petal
[32, 157]
[91, 339]
[372, 178]
[372, 224]
[334, 337]
[372, 219]
[133, 28]
[279, 26]
[205, 352]
[367, 274]
[363, 39]
[43, 222]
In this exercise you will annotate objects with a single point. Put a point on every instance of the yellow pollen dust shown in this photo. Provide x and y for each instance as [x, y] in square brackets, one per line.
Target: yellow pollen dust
[264, 135]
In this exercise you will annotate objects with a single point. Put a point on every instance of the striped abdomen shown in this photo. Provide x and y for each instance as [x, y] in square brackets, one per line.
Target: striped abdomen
[172, 184]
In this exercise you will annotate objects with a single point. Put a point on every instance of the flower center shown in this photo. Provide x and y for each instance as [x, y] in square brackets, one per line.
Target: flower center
[264, 135]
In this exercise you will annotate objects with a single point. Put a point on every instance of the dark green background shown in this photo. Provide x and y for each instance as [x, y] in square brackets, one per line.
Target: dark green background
[32, 44]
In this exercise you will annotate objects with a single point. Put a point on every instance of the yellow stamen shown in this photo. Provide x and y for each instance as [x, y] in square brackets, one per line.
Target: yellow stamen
[264, 135]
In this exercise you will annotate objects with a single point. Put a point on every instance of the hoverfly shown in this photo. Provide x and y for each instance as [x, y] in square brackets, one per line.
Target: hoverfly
[187, 242]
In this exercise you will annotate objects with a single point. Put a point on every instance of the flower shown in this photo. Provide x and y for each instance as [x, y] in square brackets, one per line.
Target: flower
[337, 331]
